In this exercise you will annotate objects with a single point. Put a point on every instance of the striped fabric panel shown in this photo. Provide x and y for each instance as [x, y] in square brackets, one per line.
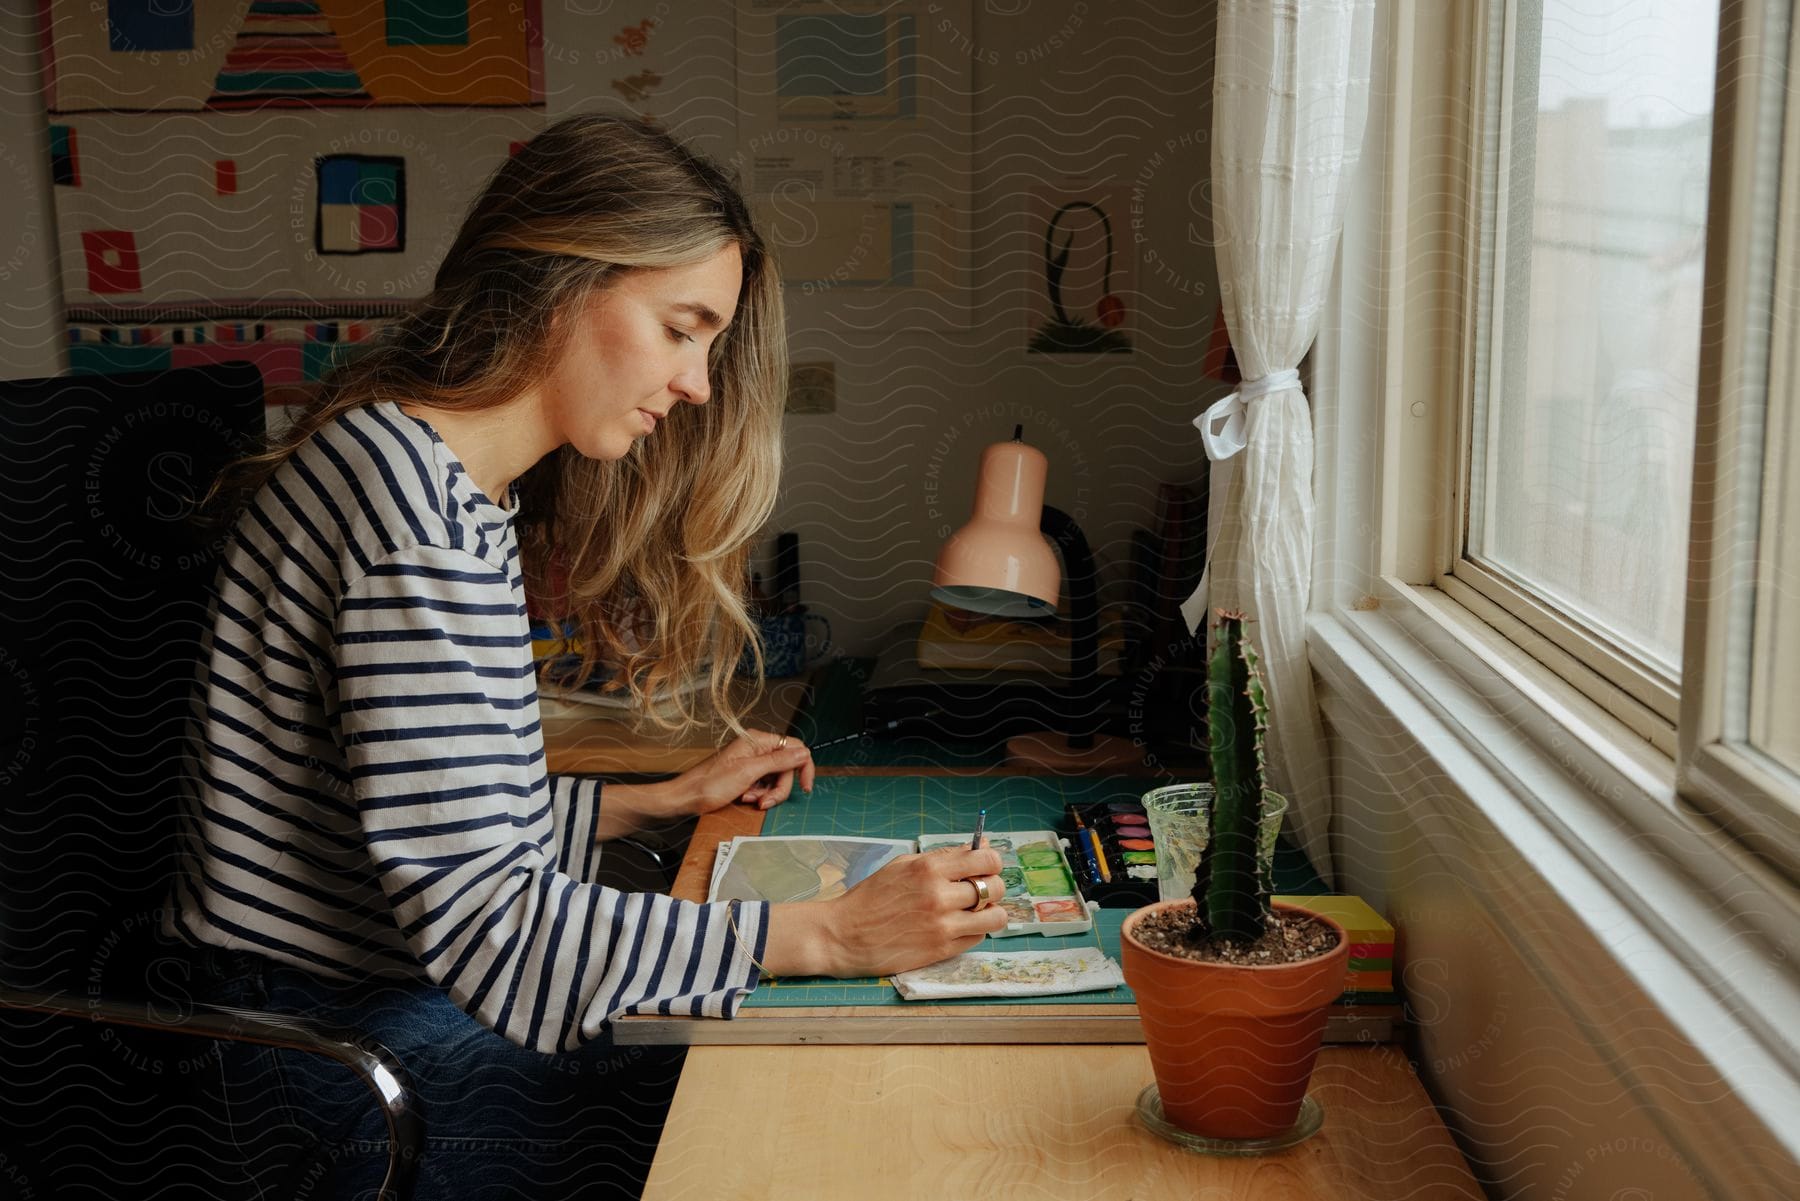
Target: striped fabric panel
[368, 762]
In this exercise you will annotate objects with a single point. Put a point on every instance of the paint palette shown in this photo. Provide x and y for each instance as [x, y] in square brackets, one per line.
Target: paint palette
[1042, 896]
[1130, 852]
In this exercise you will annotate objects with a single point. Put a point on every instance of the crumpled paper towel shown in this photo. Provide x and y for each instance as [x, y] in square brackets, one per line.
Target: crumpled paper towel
[1011, 974]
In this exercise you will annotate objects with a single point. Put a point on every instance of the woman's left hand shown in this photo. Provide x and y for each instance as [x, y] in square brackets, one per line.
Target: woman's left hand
[758, 770]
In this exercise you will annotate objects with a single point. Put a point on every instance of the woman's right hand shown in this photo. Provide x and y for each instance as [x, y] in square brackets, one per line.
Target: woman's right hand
[912, 912]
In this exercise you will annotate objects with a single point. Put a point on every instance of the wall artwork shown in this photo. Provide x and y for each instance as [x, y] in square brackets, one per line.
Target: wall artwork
[1083, 287]
[270, 180]
[855, 128]
[186, 56]
[642, 59]
[292, 354]
[361, 204]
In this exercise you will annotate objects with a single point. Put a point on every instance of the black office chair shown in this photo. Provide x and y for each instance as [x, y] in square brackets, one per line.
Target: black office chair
[105, 584]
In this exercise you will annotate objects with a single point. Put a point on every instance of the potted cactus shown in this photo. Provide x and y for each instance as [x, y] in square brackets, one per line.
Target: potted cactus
[1232, 991]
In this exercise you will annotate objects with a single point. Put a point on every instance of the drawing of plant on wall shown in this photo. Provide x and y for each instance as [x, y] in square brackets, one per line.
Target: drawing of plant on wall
[1081, 274]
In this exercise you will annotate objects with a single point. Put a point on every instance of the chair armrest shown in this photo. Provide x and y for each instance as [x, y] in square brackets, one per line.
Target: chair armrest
[642, 848]
[646, 860]
[374, 1064]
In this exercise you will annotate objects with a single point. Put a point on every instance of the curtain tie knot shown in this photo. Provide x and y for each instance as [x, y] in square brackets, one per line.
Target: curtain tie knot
[1222, 425]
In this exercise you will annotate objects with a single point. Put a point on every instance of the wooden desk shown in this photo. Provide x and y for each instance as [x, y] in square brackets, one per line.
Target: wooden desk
[998, 1122]
[589, 739]
[992, 1123]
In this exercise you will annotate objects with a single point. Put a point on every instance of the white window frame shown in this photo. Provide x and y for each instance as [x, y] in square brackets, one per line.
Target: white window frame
[1757, 160]
[1635, 690]
[1673, 844]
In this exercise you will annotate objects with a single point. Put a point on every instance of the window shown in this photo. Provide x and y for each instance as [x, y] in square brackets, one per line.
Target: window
[1629, 496]
[1643, 776]
[1769, 552]
[1774, 720]
[1592, 223]
[1547, 736]
[1740, 721]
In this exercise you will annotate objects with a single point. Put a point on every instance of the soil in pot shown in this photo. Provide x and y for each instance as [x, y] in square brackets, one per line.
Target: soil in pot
[1289, 937]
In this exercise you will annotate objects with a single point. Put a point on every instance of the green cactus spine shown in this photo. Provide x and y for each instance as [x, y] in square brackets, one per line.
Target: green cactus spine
[1230, 893]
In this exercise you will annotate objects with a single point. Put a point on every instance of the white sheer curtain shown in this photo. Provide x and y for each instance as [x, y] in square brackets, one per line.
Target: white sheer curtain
[1290, 99]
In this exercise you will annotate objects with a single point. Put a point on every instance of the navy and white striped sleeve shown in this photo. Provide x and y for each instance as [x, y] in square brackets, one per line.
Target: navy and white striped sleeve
[452, 807]
[575, 816]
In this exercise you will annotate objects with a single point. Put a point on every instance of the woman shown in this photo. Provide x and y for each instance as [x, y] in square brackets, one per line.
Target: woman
[597, 376]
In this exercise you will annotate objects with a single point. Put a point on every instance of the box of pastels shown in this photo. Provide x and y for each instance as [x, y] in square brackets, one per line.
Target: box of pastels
[1042, 896]
[1113, 853]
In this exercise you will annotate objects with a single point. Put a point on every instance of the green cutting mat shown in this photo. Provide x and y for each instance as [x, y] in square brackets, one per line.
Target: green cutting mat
[908, 806]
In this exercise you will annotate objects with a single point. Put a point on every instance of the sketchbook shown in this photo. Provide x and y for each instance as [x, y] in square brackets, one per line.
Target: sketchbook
[1041, 894]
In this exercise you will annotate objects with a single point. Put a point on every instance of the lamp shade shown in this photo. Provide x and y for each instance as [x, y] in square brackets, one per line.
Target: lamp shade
[1000, 562]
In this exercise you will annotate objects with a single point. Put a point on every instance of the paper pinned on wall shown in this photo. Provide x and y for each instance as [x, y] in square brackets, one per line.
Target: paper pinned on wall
[1083, 282]
[854, 131]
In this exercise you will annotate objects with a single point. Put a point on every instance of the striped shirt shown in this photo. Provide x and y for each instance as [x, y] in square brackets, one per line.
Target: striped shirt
[369, 796]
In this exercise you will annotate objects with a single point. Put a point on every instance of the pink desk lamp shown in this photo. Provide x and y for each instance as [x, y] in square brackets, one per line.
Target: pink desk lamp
[1001, 563]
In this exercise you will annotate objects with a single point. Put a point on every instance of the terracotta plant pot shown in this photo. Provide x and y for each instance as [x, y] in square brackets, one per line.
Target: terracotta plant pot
[1232, 1047]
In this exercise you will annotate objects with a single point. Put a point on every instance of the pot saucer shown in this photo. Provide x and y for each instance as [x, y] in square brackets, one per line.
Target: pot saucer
[1150, 1113]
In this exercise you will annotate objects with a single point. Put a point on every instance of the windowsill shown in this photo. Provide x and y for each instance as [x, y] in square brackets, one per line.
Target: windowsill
[1704, 930]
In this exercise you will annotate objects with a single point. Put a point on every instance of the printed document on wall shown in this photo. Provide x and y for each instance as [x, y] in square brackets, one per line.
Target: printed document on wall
[855, 136]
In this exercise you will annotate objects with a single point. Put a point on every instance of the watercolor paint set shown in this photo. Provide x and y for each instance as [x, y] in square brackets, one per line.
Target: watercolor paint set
[1042, 893]
[1114, 853]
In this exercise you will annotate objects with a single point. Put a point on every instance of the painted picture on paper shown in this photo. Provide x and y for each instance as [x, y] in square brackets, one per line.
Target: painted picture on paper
[798, 869]
[1082, 281]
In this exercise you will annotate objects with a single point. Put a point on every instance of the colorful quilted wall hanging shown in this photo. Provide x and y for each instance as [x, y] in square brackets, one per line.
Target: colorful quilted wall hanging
[270, 179]
[175, 55]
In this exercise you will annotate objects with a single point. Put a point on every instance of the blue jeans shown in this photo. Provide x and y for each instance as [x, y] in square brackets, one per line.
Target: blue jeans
[501, 1121]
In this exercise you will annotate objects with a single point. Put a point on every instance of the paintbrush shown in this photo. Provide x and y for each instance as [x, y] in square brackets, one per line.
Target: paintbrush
[884, 728]
[768, 781]
[1100, 856]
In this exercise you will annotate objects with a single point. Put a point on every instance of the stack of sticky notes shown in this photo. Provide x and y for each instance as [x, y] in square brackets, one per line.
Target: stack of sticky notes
[1371, 940]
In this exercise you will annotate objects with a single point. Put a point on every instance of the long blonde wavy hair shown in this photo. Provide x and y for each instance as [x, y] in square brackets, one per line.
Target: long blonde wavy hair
[652, 548]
